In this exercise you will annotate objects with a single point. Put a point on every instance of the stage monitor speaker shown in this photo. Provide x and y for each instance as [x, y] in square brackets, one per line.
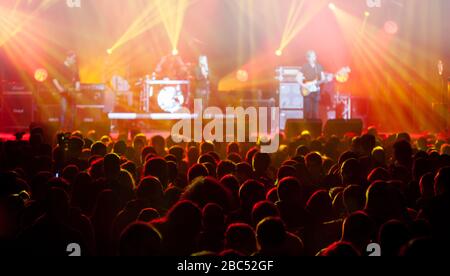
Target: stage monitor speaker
[295, 127]
[341, 127]
[17, 111]
[87, 119]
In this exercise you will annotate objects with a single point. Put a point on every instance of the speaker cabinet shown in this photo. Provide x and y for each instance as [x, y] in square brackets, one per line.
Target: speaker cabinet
[17, 111]
[92, 118]
[341, 127]
[295, 127]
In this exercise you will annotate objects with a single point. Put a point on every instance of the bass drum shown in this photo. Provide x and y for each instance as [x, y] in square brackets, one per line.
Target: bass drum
[170, 99]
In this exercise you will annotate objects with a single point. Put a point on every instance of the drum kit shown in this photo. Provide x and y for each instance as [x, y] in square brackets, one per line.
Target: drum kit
[155, 96]
[162, 95]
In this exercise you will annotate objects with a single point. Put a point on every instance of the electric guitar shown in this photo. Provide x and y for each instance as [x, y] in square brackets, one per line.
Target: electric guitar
[307, 88]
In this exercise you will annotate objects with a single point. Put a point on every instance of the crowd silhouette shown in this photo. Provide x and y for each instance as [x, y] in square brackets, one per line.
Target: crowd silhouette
[325, 196]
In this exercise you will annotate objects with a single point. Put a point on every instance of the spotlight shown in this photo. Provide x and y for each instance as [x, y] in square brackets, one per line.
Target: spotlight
[278, 53]
[109, 51]
[367, 14]
[40, 75]
[242, 75]
[174, 52]
[332, 6]
[391, 27]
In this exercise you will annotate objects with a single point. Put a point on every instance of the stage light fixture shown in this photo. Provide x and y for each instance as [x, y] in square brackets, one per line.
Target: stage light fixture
[242, 75]
[40, 75]
[278, 53]
[367, 14]
[175, 52]
[332, 6]
[109, 51]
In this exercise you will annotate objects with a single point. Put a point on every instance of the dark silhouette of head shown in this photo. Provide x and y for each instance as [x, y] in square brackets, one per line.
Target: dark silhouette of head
[379, 174]
[211, 167]
[384, 202]
[250, 154]
[139, 141]
[178, 152]
[206, 147]
[150, 191]
[233, 148]
[159, 144]
[148, 151]
[224, 168]
[368, 142]
[130, 167]
[98, 148]
[319, 206]
[70, 172]
[378, 157]
[345, 156]
[392, 237]
[403, 153]
[272, 195]
[351, 172]
[250, 193]
[206, 158]
[241, 237]
[204, 190]
[231, 183]
[442, 181]
[193, 155]
[270, 234]
[148, 214]
[286, 171]
[172, 195]
[353, 198]
[120, 148]
[314, 163]
[184, 222]
[289, 191]
[97, 169]
[158, 168]
[244, 172]
[262, 210]
[197, 170]
[140, 239]
[75, 147]
[427, 186]
[302, 150]
[358, 229]
[111, 165]
[261, 163]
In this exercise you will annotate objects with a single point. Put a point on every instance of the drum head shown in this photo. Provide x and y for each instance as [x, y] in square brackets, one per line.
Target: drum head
[170, 99]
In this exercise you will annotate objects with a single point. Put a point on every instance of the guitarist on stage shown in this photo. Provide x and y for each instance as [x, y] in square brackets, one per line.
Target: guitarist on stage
[66, 79]
[312, 71]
